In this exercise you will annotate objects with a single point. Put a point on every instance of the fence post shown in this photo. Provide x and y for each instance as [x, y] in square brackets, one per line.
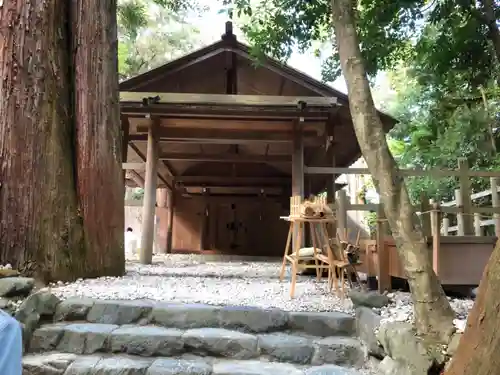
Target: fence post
[424, 217]
[460, 215]
[342, 211]
[383, 272]
[436, 237]
[477, 224]
[446, 226]
[495, 203]
[466, 202]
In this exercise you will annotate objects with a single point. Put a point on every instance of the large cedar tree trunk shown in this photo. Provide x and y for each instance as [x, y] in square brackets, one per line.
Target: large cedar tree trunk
[433, 314]
[59, 215]
[100, 187]
[477, 352]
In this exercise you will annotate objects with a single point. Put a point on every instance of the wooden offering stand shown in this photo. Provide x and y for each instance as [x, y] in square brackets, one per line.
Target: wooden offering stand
[315, 214]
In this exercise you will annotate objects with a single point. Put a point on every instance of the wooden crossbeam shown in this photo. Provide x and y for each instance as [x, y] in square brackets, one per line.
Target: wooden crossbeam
[232, 124]
[401, 172]
[134, 166]
[226, 158]
[136, 177]
[213, 136]
[218, 99]
[214, 190]
[208, 181]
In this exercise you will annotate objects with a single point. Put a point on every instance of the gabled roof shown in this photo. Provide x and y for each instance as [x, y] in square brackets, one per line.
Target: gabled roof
[229, 43]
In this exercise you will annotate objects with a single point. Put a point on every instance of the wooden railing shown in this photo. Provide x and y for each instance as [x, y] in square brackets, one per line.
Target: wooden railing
[479, 220]
[435, 219]
[469, 216]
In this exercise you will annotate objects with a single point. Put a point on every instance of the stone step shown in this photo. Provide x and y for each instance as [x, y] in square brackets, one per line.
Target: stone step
[187, 316]
[150, 340]
[56, 363]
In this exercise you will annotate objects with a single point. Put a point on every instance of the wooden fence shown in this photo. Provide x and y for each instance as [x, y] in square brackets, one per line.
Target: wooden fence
[450, 254]
[480, 222]
[462, 206]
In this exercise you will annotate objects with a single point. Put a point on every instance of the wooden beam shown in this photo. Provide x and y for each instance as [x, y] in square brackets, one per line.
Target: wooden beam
[226, 136]
[402, 172]
[136, 177]
[236, 190]
[226, 158]
[209, 181]
[142, 124]
[134, 166]
[148, 212]
[224, 112]
[215, 99]
[143, 157]
[170, 225]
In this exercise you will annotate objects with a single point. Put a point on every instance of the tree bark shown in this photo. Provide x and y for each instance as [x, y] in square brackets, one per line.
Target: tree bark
[100, 187]
[476, 351]
[433, 314]
[47, 227]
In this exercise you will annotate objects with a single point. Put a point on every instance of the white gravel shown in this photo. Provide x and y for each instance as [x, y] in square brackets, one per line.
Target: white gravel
[189, 279]
[401, 309]
[216, 281]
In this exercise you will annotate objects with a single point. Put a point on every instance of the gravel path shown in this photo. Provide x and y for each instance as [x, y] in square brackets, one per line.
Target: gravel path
[218, 281]
[190, 279]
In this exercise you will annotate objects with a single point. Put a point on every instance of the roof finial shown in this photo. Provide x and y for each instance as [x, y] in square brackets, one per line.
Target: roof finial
[228, 35]
[229, 28]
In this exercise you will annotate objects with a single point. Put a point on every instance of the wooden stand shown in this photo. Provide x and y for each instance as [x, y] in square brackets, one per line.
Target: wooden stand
[319, 237]
[325, 255]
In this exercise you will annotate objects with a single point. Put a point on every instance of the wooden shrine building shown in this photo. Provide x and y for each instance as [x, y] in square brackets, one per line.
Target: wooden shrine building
[220, 143]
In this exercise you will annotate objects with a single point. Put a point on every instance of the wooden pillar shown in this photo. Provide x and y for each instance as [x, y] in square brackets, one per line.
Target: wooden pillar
[330, 191]
[460, 216]
[446, 226]
[170, 207]
[330, 187]
[495, 203]
[477, 224]
[161, 220]
[161, 197]
[205, 224]
[436, 236]
[125, 136]
[465, 191]
[342, 204]
[298, 168]
[425, 214]
[383, 272]
[148, 211]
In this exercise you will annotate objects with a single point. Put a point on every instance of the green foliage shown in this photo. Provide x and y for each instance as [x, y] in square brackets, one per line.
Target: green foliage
[152, 32]
[138, 194]
[439, 54]
[441, 36]
[435, 131]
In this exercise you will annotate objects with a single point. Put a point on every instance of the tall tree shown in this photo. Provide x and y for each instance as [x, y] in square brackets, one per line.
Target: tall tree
[61, 194]
[372, 37]
[432, 310]
[151, 34]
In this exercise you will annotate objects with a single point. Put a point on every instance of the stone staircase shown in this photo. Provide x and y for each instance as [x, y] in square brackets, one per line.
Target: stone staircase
[96, 337]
